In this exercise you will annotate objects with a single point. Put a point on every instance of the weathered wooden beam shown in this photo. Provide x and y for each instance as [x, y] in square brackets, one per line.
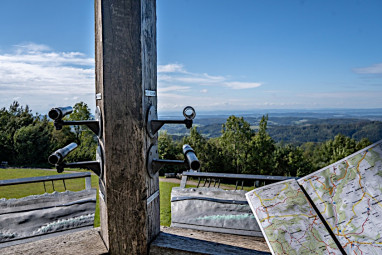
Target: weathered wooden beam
[126, 59]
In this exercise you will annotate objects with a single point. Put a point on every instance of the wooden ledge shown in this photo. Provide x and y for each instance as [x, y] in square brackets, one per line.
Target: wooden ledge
[166, 244]
[86, 242]
[170, 241]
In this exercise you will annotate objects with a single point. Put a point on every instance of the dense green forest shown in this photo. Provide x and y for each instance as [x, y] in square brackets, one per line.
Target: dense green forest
[28, 140]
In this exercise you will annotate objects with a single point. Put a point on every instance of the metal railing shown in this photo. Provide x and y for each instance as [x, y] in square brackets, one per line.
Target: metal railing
[217, 177]
[50, 178]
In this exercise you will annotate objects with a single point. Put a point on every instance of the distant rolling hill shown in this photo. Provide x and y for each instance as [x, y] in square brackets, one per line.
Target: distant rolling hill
[296, 129]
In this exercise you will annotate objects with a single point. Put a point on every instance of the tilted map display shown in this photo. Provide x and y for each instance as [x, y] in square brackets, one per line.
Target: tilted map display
[345, 195]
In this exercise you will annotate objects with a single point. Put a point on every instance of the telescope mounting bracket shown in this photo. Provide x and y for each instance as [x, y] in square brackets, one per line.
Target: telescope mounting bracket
[93, 125]
[154, 164]
[95, 166]
[153, 124]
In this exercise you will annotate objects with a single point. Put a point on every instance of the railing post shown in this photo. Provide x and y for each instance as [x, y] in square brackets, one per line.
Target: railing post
[88, 182]
[183, 181]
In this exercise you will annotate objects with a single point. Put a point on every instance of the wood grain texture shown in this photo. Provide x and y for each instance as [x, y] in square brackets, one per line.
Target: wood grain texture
[248, 242]
[86, 242]
[125, 67]
[174, 244]
[149, 82]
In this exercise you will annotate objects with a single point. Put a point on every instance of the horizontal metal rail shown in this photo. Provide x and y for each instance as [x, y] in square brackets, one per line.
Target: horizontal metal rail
[207, 176]
[238, 176]
[86, 175]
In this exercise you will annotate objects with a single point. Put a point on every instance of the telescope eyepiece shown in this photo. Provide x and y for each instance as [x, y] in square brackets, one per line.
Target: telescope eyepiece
[191, 159]
[189, 113]
[195, 165]
[59, 112]
[58, 156]
[54, 159]
[54, 114]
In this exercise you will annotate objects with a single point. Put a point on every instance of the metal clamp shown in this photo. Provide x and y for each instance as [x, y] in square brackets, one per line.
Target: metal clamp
[57, 157]
[153, 124]
[154, 164]
[58, 113]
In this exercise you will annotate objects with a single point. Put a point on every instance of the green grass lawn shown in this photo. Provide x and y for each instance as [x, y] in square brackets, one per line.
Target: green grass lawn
[23, 190]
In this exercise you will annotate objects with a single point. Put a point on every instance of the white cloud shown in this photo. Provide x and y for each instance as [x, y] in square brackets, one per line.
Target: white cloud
[374, 69]
[177, 87]
[32, 47]
[242, 85]
[48, 76]
[174, 88]
[176, 73]
[171, 68]
[34, 70]
[201, 79]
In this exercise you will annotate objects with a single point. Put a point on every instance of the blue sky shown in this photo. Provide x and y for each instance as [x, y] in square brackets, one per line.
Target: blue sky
[226, 55]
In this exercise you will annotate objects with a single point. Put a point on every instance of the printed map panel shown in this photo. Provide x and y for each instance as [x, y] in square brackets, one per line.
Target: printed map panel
[288, 221]
[348, 195]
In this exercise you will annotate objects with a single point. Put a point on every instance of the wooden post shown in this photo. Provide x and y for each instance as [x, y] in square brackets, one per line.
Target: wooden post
[126, 59]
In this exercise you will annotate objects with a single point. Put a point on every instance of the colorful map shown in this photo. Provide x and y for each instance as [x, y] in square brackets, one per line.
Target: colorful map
[348, 194]
[288, 221]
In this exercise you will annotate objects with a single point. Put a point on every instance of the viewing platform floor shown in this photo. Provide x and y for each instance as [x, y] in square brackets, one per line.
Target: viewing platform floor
[170, 241]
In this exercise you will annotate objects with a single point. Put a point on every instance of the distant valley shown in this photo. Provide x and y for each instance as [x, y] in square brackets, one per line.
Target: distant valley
[295, 127]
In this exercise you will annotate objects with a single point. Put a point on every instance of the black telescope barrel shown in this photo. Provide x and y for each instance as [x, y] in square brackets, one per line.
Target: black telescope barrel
[190, 157]
[60, 112]
[59, 155]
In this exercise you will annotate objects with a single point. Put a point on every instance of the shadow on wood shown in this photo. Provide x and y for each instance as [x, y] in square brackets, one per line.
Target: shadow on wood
[173, 244]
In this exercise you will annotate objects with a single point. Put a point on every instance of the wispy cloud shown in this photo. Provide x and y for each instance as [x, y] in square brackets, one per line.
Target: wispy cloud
[242, 85]
[201, 79]
[374, 69]
[174, 88]
[178, 87]
[41, 74]
[176, 73]
[171, 68]
[36, 69]
[32, 47]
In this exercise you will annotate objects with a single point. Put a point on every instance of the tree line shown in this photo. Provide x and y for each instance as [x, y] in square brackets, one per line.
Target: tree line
[242, 150]
[27, 140]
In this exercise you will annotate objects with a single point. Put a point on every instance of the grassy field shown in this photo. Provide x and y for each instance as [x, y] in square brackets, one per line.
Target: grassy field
[165, 203]
[17, 191]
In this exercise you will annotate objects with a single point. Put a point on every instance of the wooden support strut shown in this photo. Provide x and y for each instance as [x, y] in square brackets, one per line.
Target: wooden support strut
[126, 60]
